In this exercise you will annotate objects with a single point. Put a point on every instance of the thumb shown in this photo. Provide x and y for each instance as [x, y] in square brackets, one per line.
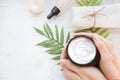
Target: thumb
[69, 65]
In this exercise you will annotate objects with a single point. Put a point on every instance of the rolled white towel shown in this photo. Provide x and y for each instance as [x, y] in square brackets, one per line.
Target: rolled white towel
[108, 16]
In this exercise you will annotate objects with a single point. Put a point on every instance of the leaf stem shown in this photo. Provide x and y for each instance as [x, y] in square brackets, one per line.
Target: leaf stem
[54, 40]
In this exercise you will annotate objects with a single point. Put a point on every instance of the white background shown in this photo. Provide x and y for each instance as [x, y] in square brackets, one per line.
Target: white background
[20, 59]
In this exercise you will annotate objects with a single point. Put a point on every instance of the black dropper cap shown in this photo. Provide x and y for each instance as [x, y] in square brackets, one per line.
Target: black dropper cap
[55, 11]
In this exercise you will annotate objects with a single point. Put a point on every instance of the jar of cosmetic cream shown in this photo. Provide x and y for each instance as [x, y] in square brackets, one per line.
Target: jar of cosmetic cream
[36, 6]
[82, 51]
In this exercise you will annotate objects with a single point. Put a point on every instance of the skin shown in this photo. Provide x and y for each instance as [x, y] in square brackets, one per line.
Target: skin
[109, 68]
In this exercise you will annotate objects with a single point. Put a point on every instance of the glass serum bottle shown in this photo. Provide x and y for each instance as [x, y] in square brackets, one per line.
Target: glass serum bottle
[60, 6]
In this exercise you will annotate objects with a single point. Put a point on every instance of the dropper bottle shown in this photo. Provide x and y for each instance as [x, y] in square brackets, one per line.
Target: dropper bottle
[60, 6]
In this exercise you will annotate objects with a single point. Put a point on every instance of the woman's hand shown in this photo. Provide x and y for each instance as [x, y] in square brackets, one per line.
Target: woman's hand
[109, 63]
[74, 72]
[110, 59]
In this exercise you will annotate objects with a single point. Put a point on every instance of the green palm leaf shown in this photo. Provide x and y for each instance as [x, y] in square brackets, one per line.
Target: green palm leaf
[100, 31]
[49, 30]
[98, 2]
[89, 2]
[79, 3]
[39, 31]
[106, 35]
[57, 33]
[54, 52]
[56, 58]
[96, 30]
[45, 29]
[103, 32]
[46, 43]
[62, 36]
[68, 37]
[54, 43]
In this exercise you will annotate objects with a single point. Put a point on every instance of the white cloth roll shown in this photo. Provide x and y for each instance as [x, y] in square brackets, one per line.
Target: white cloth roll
[107, 17]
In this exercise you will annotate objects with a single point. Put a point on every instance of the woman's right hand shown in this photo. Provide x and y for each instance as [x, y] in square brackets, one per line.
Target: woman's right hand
[110, 59]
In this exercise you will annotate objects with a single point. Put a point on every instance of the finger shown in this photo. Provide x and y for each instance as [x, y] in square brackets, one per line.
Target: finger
[102, 48]
[110, 45]
[71, 75]
[84, 34]
[114, 53]
[110, 70]
[63, 54]
[69, 65]
[91, 71]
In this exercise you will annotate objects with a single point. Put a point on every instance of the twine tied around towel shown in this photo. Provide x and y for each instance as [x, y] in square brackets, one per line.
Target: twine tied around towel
[93, 16]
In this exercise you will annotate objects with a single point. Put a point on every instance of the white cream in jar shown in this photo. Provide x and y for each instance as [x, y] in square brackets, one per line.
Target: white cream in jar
[81, 50]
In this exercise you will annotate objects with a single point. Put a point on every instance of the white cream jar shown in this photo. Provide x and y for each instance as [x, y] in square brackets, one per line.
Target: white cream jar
[81, 50]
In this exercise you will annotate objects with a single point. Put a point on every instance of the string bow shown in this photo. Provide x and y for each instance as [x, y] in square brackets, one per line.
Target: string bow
[93, 16]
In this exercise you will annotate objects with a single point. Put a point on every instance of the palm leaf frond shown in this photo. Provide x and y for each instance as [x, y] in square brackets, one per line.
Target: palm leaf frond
[100, 31]
[57, 33]
[56, 58]
[89, 2]
[62, 36]
[68, 37]
[54, 43]
[39, 31]
[49, 30]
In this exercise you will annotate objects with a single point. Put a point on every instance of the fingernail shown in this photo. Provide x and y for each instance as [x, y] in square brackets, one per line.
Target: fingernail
[63, 62]
[96, 37]
[73, 35]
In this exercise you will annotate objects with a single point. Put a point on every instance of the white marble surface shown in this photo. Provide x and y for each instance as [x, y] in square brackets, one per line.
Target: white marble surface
[20, 59]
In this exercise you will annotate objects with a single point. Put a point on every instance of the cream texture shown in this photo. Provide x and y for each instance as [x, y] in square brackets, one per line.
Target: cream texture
[81, 50]
[108, 17]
